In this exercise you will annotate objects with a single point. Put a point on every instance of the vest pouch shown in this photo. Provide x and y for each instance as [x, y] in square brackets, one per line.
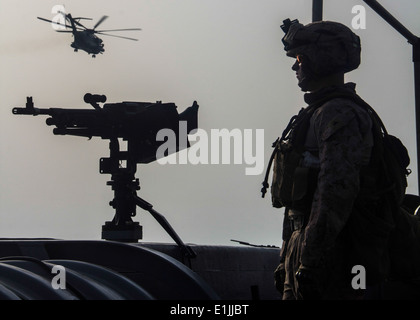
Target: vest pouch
[300, 183]
[285, 164]
[304, 185]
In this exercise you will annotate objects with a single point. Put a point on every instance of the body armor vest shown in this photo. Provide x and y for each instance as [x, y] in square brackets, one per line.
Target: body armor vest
[292, 182]
[288, 185]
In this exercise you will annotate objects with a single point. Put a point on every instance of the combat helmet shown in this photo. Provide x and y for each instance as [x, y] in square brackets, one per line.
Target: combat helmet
[329, 46]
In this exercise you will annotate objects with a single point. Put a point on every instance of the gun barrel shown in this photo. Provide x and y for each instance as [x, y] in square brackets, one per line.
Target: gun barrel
[30, 111]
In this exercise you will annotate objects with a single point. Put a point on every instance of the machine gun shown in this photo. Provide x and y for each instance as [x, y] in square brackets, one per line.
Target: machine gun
[137, 123]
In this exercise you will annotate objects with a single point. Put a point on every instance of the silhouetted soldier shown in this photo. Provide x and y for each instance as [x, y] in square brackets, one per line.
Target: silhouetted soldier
[319, 172]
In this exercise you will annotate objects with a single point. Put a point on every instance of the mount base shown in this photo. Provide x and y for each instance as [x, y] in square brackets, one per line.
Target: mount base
[129, 232]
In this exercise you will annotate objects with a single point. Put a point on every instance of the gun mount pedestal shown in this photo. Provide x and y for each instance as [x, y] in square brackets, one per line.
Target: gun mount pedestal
[124, 184]
[122, 227]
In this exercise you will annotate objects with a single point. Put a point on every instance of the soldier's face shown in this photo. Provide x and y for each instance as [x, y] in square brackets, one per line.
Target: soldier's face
[303, 74]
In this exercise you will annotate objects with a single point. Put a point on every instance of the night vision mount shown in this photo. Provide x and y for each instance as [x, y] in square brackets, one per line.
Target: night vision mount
[137, 123]
[287, 23]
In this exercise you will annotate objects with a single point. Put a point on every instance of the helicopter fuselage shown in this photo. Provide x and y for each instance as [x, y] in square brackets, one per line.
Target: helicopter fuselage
[87, 41]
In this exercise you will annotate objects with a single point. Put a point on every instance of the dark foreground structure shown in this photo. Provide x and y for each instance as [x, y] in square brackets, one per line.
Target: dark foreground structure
[107, 270]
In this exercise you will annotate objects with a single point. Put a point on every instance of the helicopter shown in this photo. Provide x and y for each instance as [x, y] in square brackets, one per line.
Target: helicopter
[84, 38]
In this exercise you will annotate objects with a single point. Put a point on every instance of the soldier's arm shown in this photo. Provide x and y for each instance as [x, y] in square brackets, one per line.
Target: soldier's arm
[342, 150]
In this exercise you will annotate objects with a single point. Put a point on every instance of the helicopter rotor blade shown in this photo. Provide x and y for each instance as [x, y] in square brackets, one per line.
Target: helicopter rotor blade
[82, 18]
[54, 22]
[100, 21]
[79, 24]
[76, 21]
[131, 29]
[112, 35]
[43, 19]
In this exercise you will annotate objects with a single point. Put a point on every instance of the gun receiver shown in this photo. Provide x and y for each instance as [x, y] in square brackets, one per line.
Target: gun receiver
[137, 123]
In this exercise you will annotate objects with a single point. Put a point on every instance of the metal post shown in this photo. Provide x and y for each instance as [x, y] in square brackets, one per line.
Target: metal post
[416, 61]
[316, 10]
[379, 9]
[415, 42]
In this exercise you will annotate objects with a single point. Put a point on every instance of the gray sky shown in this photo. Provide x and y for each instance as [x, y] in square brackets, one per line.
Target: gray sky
[226, 54]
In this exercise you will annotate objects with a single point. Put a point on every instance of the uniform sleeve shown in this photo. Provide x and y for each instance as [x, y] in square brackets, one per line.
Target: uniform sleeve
[342, 145]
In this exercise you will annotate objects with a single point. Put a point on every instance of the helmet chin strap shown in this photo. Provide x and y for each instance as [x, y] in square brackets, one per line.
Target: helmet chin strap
[312, 82]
